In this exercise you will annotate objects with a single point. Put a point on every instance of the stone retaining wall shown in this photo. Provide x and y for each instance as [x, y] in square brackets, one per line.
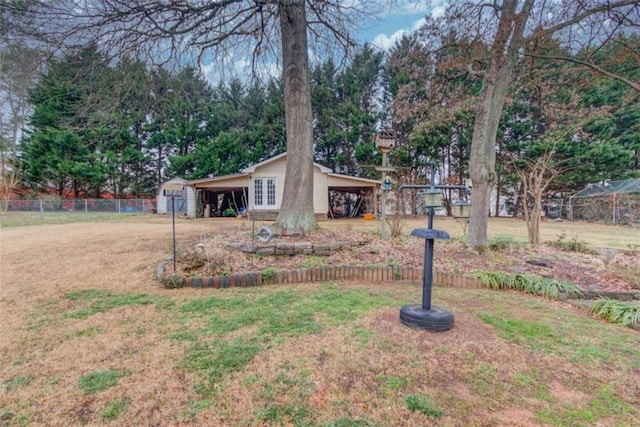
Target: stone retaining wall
[294, 248]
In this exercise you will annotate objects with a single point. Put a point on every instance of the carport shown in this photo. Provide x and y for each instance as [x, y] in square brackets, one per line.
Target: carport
[258, 190]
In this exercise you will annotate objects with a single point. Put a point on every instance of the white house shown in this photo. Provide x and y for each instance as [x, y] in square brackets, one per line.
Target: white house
[258, 190]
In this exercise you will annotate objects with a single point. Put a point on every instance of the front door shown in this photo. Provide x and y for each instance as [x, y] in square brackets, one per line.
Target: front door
[264, 193]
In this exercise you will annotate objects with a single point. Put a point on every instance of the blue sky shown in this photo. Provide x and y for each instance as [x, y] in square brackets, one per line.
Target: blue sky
[404, 17]
[383, 31]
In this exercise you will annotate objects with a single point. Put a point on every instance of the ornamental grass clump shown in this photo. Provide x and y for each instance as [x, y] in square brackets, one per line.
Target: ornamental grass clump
[623, 312]
[550, 288]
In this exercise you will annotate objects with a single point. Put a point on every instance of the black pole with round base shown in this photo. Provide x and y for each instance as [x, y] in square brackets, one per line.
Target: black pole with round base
[434, 319]
[426, 316]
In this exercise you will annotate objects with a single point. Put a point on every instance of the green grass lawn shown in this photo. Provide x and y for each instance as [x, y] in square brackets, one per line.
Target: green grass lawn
[329, 355]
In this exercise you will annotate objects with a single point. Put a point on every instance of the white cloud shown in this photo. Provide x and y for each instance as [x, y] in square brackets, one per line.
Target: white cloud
[438, 11]
[436, 8]
[385, 42]
[419, 23]
[223, 70]
[407, 7]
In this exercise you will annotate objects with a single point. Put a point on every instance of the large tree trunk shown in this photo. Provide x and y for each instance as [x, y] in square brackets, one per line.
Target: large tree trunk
[296, 211]
[495, 84]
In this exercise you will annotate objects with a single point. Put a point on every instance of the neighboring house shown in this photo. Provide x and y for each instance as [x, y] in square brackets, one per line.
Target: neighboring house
[257, 191]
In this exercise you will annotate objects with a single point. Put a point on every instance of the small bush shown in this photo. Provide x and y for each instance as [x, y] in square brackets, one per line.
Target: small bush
[622, 312]
[498, 243]
[495, 279]
[632, 249]
[572, 245]
[420, 403]
[396, 224]
[191, 259]
[268, 273]
[172, 282]
[207, 255]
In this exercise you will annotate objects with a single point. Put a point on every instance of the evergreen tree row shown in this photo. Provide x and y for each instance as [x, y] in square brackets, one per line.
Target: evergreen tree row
[123, 128]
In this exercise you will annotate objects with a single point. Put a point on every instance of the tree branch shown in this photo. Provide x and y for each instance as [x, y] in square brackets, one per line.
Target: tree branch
[591, 65]
[631, 49]
[609, 5]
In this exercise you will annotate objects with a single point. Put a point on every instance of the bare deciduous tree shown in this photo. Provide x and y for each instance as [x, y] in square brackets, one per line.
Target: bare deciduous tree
[9, 181]
[514, 29]
[535, 176]
[215, 32]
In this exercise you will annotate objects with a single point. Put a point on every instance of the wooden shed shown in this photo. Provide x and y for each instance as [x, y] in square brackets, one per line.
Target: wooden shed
[183, 205]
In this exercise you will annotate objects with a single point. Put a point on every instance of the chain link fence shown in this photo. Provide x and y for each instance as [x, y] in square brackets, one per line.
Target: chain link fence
[615, 202]
[613, 209]
[82, 205]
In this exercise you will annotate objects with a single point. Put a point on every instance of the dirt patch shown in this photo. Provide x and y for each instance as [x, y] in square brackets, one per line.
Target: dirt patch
[567, 396]
[516, 418]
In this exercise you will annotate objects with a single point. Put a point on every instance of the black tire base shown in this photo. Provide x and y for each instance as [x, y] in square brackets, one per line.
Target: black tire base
[435, 320]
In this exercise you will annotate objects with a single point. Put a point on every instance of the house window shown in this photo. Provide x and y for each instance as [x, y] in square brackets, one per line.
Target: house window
[264, 193]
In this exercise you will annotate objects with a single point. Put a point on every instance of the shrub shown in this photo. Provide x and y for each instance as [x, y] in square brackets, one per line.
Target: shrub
[191, 258]
[208, 255]
[497, 243]
[172, 282]
[396, 224]
[268, 273]
[572, 245]
[632, 249]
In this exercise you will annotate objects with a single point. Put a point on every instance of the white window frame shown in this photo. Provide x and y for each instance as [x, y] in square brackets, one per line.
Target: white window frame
[267, 188]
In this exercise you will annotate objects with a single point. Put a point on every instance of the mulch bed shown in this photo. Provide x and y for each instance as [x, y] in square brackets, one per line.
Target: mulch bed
[606, 270]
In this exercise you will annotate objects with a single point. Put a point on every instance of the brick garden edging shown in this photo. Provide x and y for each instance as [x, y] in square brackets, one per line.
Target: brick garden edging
[362, 273]
[315, 274]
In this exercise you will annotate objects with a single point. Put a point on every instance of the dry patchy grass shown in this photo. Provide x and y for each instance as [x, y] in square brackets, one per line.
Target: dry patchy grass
[89, 337]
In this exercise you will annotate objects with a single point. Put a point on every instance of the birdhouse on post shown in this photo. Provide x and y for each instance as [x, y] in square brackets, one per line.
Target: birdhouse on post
[173, 190]
[385, 140]
[386, 183]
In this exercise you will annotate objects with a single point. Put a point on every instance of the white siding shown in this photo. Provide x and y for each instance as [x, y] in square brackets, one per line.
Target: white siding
[320, 192]
[162, 205]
